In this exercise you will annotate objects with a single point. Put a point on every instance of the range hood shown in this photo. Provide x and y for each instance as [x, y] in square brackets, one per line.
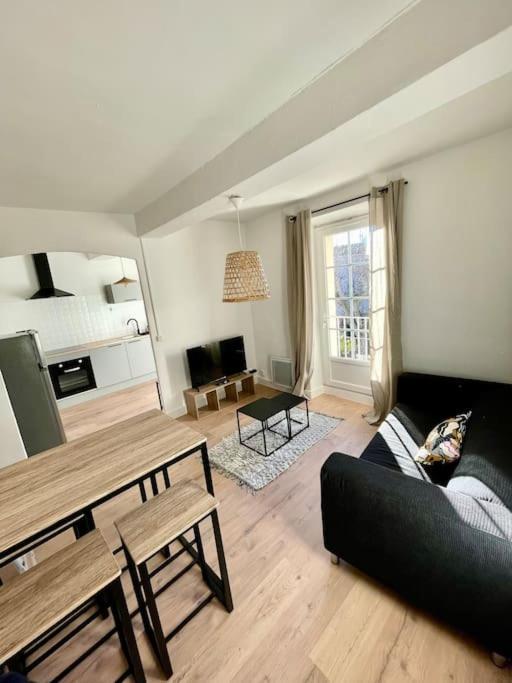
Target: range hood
[46, 290]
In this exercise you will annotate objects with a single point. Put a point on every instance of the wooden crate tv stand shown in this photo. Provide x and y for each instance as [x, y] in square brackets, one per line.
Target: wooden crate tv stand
[211, 393]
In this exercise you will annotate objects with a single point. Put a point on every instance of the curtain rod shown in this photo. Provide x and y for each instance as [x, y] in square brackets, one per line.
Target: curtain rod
[349, 201]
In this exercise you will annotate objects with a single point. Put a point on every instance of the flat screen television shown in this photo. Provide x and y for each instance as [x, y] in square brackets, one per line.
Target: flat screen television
[211, 362]
[232, 353]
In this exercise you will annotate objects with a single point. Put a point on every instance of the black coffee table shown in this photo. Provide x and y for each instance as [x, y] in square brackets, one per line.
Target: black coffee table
[263, 410]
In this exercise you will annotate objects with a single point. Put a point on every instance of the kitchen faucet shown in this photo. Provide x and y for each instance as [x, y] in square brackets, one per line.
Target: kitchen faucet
[134, 320]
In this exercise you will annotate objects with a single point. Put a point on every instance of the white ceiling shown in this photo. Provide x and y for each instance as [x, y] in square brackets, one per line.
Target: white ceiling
[106, 104]
[481, 112]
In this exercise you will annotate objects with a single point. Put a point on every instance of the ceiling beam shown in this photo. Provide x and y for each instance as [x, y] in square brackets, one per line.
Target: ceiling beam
[427, 36]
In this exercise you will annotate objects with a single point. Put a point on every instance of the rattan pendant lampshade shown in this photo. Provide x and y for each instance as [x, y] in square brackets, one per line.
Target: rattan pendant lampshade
[244, 276]
[124, 280]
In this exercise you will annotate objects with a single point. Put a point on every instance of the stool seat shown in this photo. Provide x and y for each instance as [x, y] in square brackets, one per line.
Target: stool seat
[35, 601]
[164, 518]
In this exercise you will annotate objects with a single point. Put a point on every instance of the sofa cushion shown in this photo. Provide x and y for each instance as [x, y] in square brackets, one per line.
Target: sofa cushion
[485, 468]
[397, 441]
[394, 446]
[444, 442]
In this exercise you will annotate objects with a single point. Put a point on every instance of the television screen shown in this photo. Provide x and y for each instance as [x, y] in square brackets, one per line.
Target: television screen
[205, 364]
[232, 353]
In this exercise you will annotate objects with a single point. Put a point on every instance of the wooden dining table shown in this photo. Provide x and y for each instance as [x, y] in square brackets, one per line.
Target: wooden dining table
[44, 493]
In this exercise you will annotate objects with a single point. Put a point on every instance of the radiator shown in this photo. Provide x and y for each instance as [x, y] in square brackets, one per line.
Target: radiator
[282, 372]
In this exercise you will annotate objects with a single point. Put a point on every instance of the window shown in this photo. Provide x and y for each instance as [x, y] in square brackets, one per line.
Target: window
[347, 273]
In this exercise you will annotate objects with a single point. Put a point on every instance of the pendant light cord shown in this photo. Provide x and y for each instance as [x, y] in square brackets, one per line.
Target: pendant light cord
[239, 228]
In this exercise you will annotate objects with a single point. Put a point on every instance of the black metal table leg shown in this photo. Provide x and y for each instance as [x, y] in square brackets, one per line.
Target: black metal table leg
[161, 644]
[166, 552]
[238, 423]
[82, 527]
[125, 631]
[200, 552]
[207, 469]
[154, 484]
[134, 575]
[228, 600]
[143, 493]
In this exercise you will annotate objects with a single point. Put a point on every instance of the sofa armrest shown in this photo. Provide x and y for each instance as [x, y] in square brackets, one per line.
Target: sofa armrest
[444, 551]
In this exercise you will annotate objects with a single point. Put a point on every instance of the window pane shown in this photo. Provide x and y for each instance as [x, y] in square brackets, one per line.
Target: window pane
[329, 251]
[342, 306]
[340, 248]
[361, 307]
[342, 281]
[334, 343]
[359, 245]
[330, 278]
[348, 289]
[360, 278]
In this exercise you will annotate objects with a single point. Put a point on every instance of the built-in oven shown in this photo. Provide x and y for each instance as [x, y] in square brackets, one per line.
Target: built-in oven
[71, 377]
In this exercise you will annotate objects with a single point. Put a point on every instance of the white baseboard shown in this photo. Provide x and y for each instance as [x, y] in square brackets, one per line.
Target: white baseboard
[177, 412]
[268, 383]
[317, 391]
[349, 394]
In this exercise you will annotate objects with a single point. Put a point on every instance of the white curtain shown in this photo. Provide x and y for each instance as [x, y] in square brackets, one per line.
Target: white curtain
[386, 210]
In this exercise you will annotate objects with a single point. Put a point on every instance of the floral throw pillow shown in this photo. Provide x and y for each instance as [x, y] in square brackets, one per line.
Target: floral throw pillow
[444, 443]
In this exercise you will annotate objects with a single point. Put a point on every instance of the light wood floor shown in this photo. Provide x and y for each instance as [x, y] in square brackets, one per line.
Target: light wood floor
[297, 617]
[102, 412]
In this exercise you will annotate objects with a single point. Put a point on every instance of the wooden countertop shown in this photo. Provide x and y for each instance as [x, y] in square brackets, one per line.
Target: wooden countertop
[80, 348]
[52, 486]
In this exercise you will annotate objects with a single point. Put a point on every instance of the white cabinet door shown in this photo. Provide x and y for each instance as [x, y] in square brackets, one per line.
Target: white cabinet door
[110, 364]
[140, 356]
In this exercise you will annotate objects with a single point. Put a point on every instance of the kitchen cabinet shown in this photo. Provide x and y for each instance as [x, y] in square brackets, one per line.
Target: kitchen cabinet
[110, 364]
[140, 356]
[118, 294]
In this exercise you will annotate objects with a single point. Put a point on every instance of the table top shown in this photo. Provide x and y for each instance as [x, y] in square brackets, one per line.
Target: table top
[265, 408]
[52, 486]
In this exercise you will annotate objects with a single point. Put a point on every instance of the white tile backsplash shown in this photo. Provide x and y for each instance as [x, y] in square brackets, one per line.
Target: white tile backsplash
[71, 321]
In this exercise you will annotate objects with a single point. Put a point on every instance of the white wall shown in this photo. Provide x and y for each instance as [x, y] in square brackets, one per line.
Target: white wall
[456, 280]
[267, 235]
[187, 273]
[457, 250]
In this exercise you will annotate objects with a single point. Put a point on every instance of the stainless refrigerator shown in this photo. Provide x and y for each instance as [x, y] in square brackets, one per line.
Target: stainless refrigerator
[25, 372]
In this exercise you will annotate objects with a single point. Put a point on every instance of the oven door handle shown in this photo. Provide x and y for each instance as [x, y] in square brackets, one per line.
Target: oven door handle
[78, 367]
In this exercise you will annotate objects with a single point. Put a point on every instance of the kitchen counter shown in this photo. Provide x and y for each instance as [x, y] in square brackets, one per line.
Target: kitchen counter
[88, 346]
[106, 365]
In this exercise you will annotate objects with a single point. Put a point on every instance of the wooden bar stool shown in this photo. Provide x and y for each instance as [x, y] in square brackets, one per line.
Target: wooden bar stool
[36, 605]
[155, 525]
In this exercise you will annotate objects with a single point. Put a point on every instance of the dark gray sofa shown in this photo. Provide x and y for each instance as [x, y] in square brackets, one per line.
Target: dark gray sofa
[442, 538]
